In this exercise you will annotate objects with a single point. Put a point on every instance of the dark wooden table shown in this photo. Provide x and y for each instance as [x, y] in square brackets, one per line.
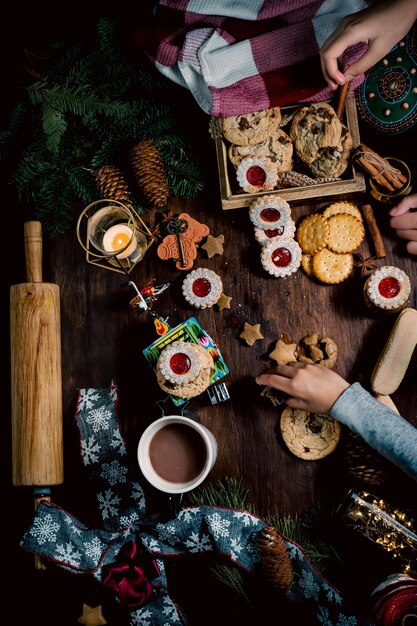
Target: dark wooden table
[103, 338]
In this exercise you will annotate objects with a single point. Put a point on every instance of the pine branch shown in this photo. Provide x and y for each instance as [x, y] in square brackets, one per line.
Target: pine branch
[54, 126]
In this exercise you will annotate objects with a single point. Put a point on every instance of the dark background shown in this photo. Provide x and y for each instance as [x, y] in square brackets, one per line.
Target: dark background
[53, 597]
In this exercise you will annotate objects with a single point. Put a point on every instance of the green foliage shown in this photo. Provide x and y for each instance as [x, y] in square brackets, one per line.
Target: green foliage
[88, 109]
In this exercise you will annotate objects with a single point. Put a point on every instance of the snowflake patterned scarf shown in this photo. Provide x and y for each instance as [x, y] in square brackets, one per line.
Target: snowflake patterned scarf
[127, 554]
[243, 56]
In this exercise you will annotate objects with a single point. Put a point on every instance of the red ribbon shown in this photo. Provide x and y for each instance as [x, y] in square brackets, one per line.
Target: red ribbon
[127, 577]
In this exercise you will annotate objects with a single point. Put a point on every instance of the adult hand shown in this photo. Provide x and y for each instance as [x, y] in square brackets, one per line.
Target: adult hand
[404, 221]
[309, 387]
[381, 27]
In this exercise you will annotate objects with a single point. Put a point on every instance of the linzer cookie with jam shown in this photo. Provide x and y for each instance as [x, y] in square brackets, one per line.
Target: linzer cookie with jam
[202, 288]
[270, 212]
[257, 174]
[184, 369]
[281, 258]
[387, 289]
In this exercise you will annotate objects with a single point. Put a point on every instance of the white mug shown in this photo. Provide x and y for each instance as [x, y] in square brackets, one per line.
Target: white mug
[176, 453]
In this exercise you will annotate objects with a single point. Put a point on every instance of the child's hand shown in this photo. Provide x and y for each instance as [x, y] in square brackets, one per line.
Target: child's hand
[309, 387]
[404, 221]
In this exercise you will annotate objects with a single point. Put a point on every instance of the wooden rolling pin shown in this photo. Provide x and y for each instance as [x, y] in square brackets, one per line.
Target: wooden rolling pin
[36, 379]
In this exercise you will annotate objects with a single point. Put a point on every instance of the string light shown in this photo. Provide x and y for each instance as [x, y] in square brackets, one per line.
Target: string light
[384, 525]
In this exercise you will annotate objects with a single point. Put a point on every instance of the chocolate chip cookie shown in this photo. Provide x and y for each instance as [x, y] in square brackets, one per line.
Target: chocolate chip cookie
[251, 128]
[278, 147]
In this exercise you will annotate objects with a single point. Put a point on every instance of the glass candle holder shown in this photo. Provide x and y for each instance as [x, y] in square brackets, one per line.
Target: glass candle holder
[390, 197]
[113, 235]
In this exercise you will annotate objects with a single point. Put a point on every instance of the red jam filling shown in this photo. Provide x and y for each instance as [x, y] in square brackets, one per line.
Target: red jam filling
[201, 287]
[180, 363]
[275, 232]
[281, 257]
[270, 215]
[389, 287]
[256, 176]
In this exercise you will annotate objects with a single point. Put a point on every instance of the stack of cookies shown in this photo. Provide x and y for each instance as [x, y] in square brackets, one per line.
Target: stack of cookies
[263, 155]
[328, 240]
[274, 229]
[184, 368]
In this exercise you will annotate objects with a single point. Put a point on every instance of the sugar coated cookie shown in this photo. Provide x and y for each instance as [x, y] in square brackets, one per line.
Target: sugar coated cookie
[309, 436]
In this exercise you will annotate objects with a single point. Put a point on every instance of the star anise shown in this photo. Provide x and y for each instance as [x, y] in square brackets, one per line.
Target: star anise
[366, 265]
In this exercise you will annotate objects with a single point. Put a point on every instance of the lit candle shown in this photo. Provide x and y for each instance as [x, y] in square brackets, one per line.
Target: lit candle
[118, 237]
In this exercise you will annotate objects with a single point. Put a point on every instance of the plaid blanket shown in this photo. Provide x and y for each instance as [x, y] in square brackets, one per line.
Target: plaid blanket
[247, 55]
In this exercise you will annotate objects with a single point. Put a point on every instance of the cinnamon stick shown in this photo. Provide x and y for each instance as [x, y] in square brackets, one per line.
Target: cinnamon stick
[374, 173]
[374, 231]
[391, 174]
[343, 92]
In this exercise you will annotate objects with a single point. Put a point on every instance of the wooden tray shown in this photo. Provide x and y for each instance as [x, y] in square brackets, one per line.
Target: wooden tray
[353, 181]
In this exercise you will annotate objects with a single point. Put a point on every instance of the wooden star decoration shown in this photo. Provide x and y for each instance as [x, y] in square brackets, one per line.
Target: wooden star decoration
[283, 353]
[214, 245]
[251, 333]
[366, 265]
[224, 302]
[92, 616]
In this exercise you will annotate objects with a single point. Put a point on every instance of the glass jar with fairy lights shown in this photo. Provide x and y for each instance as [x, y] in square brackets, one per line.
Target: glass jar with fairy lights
[384, 525]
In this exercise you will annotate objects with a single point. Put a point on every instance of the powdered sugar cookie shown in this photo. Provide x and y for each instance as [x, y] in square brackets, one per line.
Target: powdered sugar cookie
[177, 362]
[309, 436]
[280, 233]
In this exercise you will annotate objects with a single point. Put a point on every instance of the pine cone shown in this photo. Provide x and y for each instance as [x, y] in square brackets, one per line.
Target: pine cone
[148, 167]
[111, 183]
[274, 560]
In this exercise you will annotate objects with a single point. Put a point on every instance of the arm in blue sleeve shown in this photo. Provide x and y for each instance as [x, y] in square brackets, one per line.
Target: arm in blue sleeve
[383, 429]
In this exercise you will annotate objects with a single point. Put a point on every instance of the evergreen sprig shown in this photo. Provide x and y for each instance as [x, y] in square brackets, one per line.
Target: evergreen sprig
[86, 110]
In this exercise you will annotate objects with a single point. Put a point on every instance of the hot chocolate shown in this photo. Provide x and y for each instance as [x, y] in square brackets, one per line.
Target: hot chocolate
[178, 453]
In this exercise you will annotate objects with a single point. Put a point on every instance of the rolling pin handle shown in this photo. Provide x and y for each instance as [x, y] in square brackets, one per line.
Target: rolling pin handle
[33, 251]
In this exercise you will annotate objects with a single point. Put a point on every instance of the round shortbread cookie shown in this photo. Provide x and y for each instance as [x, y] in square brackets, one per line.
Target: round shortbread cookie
[342, 207]
[313, 233]
[307, 263]
[251, 128]
[331, 268]
[346, 233]
[309, 436]
[278, 148]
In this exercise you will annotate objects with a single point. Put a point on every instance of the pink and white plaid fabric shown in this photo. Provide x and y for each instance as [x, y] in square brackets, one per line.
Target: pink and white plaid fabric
[241, 56]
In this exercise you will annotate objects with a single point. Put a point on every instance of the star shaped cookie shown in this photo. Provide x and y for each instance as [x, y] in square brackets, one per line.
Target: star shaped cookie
[224, 302]
[92, 616]
[251, 333]
[283, 353]
[214, 245]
